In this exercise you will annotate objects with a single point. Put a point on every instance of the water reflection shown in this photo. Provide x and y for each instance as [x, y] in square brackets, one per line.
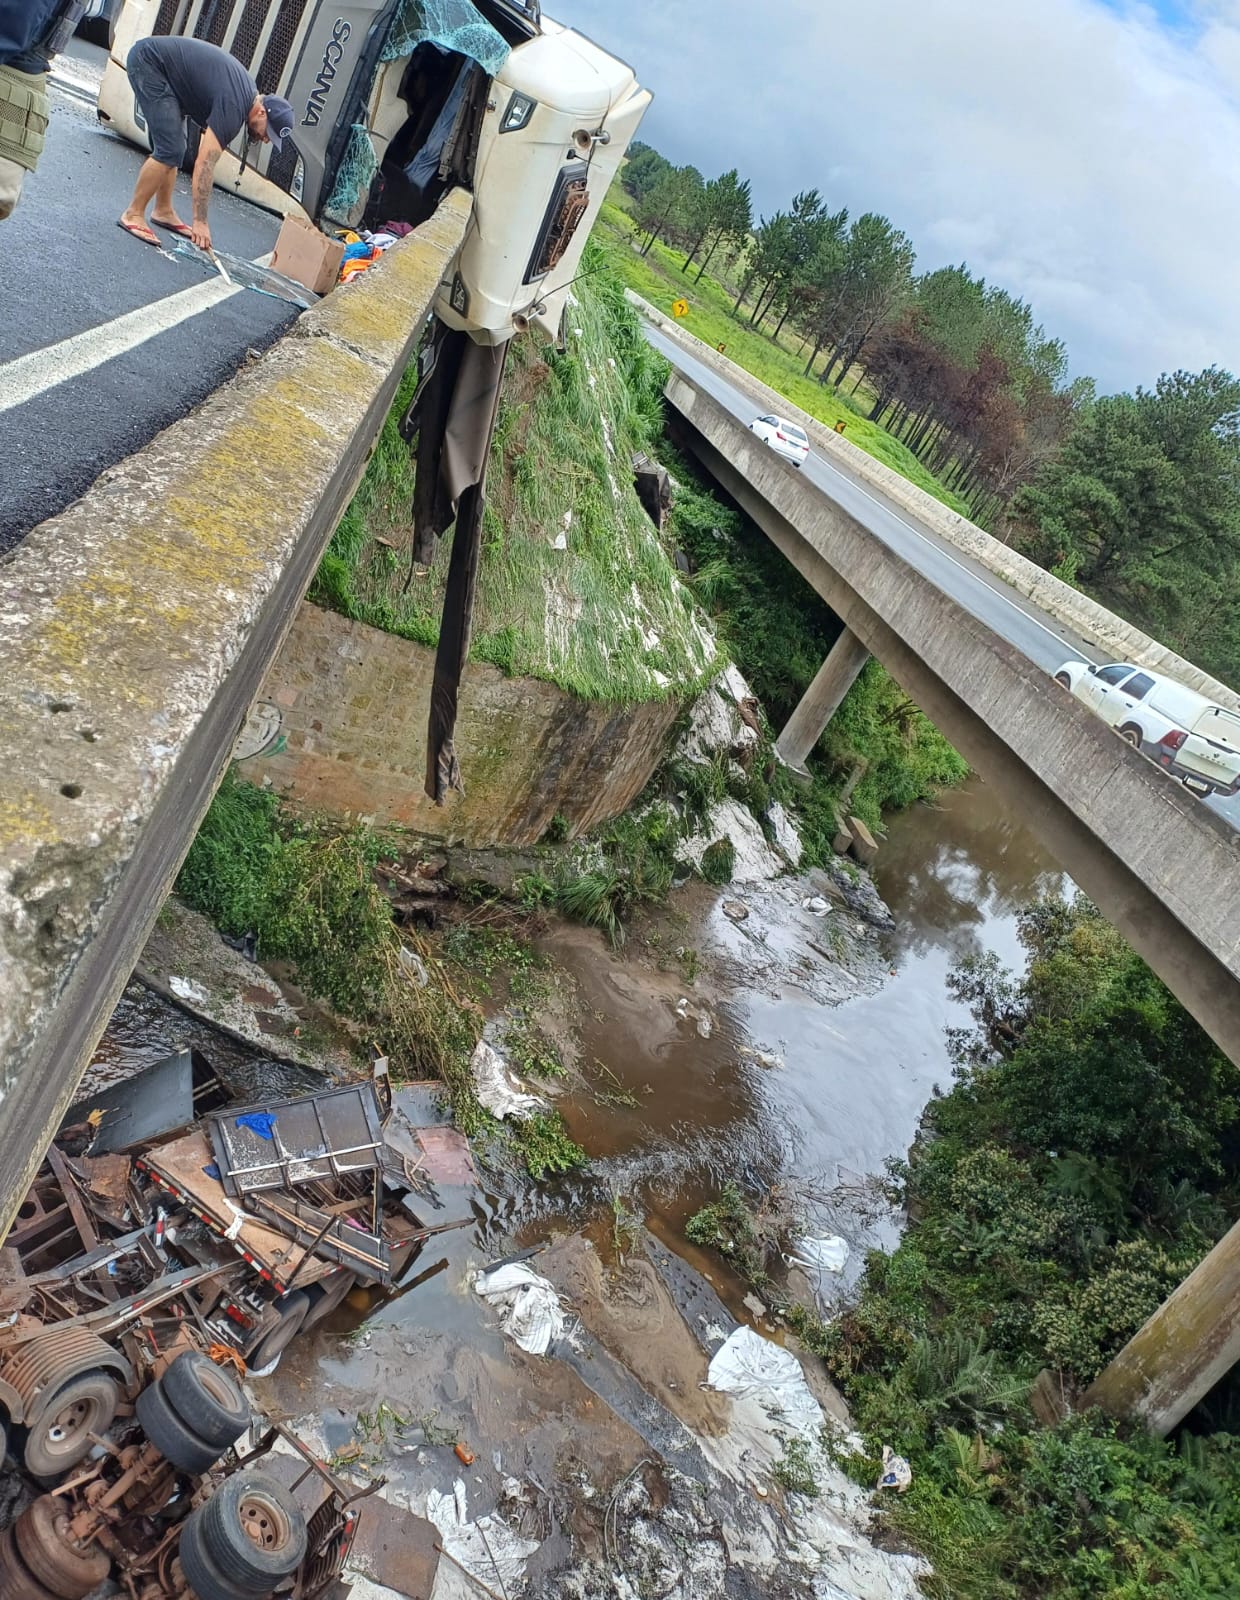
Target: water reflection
[949, 871]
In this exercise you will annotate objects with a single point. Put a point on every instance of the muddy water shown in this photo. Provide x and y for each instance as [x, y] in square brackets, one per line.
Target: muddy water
[785, 1087]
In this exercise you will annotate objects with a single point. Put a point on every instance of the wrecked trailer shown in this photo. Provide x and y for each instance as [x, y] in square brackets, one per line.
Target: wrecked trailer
[121, 1243]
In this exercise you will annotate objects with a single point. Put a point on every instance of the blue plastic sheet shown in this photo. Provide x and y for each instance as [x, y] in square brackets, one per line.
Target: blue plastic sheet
[259, 1122]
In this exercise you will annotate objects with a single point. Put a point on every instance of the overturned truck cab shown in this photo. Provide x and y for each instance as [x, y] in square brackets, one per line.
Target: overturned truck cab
[398, 101]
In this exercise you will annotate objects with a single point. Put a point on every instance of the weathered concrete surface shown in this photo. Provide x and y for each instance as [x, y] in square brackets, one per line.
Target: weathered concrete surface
[1077, 611]
[834, 678]
[1165, 870]
[353, 704]
[1177, 1357]
[135, 629]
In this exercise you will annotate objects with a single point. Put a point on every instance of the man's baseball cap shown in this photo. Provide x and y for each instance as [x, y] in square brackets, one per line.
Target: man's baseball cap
[279, 119]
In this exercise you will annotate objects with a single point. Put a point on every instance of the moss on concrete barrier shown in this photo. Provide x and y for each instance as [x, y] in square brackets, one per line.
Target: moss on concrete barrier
[135, 628]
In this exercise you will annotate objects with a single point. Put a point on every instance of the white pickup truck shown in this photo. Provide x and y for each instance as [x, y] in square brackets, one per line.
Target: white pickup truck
[1188, 735]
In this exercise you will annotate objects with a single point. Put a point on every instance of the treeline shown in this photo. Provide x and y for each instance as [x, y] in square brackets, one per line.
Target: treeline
[959, 369]
[1134, 498]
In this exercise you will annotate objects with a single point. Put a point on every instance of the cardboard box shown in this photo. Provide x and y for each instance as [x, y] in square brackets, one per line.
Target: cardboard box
[307, 256]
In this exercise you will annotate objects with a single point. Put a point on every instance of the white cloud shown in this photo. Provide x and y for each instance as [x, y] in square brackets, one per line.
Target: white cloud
[1081, 155]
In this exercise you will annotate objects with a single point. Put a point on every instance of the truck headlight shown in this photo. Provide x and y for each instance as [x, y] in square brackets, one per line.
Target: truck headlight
[520, 110]
[458, 296]
[297, 187]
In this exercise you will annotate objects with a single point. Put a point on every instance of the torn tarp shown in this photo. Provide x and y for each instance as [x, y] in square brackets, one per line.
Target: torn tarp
[529, 1309]
[455, 420]
[451, 24]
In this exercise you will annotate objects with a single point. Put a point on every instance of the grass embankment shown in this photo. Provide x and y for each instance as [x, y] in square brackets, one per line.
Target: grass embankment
[778, 631]
[606, 617]
[1082, 1164]
[311, 893]
[657, 277]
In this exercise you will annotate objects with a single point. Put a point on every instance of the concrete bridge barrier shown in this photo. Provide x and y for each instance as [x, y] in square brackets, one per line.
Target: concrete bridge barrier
[135, 629]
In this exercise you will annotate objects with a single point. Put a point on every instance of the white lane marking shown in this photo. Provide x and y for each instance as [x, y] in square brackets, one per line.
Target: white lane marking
[29, 376]
[988, 581]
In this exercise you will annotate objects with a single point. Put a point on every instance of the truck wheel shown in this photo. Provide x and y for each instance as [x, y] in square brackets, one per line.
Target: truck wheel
[326, 1295]
[292, 1312]
[16, 1582]
[253, 1530]
[205, 1579]
[49, 1552]
[175, 1442]
[1131, 734]
[1063, 680]
[59, 1435]
[206, 1399]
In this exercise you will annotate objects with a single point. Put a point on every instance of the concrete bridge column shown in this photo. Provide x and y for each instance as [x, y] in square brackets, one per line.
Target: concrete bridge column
[834, 678]
[1190, 1342]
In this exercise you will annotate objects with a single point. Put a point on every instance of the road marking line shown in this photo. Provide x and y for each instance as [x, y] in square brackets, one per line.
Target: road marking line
[29, 376]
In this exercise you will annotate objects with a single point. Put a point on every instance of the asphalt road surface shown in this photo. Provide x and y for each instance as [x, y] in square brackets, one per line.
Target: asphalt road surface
[103, 340]
[1044, 640]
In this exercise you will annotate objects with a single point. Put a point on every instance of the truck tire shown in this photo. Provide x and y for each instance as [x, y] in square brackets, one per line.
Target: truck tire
[253, 1531]
[59, 1434]
[175, 1442]
[326, 1295]
[16, 1582]
[292, 1312]
[50, 1555]
[205, 1579]
[1131, 734]
[206, 1399]
[1063, 680]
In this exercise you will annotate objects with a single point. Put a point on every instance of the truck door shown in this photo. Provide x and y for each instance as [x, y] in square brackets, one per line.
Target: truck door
[1096, 687]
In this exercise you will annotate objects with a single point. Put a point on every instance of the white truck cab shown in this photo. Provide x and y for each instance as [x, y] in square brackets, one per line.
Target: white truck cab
[394, 108]
[1187, 734]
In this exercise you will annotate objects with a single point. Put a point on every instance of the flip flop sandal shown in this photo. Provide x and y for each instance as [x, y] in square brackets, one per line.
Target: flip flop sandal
[181, 229]
[141, 234]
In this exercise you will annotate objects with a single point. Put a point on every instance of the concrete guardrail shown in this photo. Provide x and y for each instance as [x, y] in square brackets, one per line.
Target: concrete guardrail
[135, 629]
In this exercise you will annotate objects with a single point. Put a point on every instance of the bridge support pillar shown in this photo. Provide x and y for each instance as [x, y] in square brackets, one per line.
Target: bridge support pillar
[1175, 1358]
[834, 678]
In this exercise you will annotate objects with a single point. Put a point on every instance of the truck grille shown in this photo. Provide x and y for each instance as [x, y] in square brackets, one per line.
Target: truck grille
[213, 21]
[167, 15]
[275, 56]
[248, 30]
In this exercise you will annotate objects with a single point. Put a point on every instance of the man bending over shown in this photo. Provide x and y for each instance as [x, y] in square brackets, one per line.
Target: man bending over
[172, 79]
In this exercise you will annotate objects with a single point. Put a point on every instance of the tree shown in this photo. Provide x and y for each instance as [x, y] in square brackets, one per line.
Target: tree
[1144, 499]
[725, 213]
[670, 205]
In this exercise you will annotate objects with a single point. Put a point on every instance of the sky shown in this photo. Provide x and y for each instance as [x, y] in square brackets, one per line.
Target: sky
[1083, 154]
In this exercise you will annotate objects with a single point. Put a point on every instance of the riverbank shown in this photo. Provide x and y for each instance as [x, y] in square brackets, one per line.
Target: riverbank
[712, 1047]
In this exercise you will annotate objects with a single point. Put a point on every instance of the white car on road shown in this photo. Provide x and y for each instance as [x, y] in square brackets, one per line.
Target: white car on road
[1194, 739]
[783, 437]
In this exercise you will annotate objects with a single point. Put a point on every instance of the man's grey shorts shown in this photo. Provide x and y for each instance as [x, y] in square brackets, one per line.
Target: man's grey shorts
[160, 108]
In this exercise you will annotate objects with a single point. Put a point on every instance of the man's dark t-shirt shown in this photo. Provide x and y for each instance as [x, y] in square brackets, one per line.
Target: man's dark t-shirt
[212, 87]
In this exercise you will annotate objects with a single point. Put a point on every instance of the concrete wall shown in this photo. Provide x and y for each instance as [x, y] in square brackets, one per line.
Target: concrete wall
[1111, 635]
[353, 711]
[135, 630]
[1164, 869]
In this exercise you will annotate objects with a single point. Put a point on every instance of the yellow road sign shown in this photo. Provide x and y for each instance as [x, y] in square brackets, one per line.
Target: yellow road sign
[680, 308]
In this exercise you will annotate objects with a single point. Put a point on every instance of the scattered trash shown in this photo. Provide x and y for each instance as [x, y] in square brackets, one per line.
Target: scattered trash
[763, 1058]
[488, 1550]
[829, 1254]
[530, 1312]
[735, 911]
[464, 1454]
[560, 542]
[754, 1305]
[816, 905]
[896, 1473]
[497, 1086]
[187, 989]
[412, 963]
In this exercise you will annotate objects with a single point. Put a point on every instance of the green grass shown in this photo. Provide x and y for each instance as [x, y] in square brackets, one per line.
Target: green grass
[657, 277]
[607, 618]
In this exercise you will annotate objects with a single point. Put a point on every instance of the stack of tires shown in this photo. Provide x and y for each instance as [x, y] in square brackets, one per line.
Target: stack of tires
[245, 1541]
[193, 1413]
[40, 1560]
